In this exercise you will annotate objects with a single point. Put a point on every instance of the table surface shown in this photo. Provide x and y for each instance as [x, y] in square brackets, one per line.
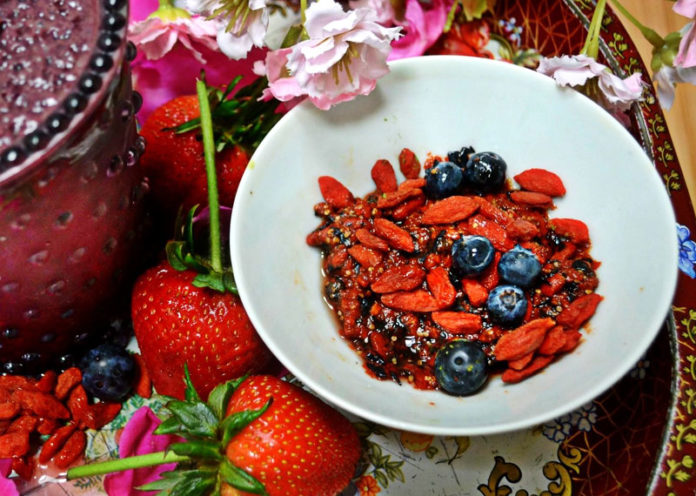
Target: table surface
[681, 118]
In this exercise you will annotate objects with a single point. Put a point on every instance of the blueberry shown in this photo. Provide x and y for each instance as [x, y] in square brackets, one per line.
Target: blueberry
[107, 372]
[472, 254]
[507, 304]
[461, 156]
[443, 180]
[485, 171]
[519, 266]
[461, 367]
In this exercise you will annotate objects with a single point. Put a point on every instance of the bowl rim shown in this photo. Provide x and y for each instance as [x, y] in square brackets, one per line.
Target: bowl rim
[407, 65]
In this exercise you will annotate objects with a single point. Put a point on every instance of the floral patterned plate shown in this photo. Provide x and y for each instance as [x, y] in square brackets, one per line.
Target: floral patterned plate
[639, 438]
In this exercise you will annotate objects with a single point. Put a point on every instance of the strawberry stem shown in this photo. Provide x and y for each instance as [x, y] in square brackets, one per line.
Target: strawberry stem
[209, 155]
[140, 461]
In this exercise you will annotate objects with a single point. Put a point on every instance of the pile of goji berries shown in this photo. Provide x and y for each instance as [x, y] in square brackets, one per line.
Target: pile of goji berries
[48, 417]
[388, 272]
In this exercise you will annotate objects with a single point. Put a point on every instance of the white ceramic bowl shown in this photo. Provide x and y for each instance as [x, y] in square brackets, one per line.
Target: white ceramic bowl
[438, 104]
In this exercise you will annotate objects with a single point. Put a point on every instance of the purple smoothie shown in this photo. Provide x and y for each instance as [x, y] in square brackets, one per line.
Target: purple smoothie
[71, 192]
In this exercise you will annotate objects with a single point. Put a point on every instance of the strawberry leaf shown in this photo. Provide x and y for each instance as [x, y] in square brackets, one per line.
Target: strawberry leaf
[194, 483]
[239, 479]
[208, 450]
[172, 425]
[190, 392]
[197, 418]
[239, 420]
[220, 396]
[219, 281]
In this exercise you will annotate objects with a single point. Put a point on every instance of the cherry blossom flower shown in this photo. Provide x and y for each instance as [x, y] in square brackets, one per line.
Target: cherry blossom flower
[383, 9]
[686, 57]
[137, 438]
[667, 77]
[344, 56]
[615, 94]
[7, 486]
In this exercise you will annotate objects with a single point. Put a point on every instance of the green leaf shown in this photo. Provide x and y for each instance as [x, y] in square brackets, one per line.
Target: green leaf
[195, 483]
[169, 426]
[212, 280]
[239, 420]
[239, 479]
[190, 393]
[166, 481]
[209, 450]
[188, 227]
[175, 251]
[197, 418]
[219, 397]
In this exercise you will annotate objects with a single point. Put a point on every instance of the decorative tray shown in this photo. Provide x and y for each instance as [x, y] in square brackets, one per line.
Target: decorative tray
[637, 438]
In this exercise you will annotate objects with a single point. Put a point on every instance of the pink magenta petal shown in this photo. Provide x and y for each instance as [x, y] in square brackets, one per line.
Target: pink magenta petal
[137, 438]
[140, 9]
[686, 57]
[687, 8]
[7, 486]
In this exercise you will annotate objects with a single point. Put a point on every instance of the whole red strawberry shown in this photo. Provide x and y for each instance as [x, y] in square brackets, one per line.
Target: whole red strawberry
[177, 323]
[300, 446]
[174, 161]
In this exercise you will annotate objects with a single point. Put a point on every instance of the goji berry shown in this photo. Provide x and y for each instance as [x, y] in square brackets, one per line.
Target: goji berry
[541, 181]
[409, 164]
[412, 301]
[496, 234]
[337, 258]
[522, 340]
[47, 382]
[9, 409]
[349, 308]
[103, 413]
[539, 362]
[42, 404]
[573, 229]
[522, 230]
[47, 426]
[367, 257]
[388, 200]
[78, 404]
[458, 322]
[370, 240]
[383, 175]
[521, 362]
[320, 237]
[25, 423]
[379, 344]
[14, 444]
[553, 284]
[572, 339]
[24, 466]
[66, 381]
[54, 443]
[334, 192]
[553, 341]
[579, 311]
[73, 449]
[406, 208]
[12, 382]
[476, 293]
[399, 278]
[489, 277]
[487, 209]
[449, 210]
[532, 199]
[393, 234]
[413, 183]
[441, 287]
[565, 253]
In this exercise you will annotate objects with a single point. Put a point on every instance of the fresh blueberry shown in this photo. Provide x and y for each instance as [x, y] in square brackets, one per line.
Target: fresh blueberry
[443, 180]
[107, 372]
[461, 157]
[519, 266]
[461, 367]
[507, 304]
[472, 254]
[485, 171]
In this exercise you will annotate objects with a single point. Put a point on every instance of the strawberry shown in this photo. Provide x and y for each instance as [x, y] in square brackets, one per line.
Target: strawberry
[175, 321]
[299, 446]
[254, 435]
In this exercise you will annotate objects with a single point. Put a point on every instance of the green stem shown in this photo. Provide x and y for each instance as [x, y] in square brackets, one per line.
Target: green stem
[303, 9]
[650, 35]
[163, 4]
[168, 12]
[149, 460]
[591, 47]
[450, 17]
[209, 155]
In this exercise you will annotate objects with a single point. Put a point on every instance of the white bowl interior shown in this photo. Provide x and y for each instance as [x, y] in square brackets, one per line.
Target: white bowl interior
[438, 104]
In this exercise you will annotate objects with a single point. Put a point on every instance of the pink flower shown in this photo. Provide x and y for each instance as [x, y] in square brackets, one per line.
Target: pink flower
[137, 438]
[615, 94]
[344, 56]
[7, 486]
[667, 77]
[422, 28]
[686, 57]
[171, 55]
[383, 9]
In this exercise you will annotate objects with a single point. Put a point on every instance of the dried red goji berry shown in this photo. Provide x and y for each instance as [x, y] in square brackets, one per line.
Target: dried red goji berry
[41, 404]
[9, 409]
[413, 183]
[458, 322]
[573, 229]
[320, 237]
[394, 235]
[47, 426]
[572, 339]
[383, 175]
[379, 344]
[24, 466]
[449, 210]
[406, 208]
[73, 448]
[12, 382]
[78, 404]
[47, 382]
[521, 362]
[475, 292]
[388, 200]
[367, 257]
[349, 308]
[54, 443]
[541, 181]
[409, 164]
[399, 278]
[531, 198]
[441, 287]
[496, 234]
[553, 284]
[337, 258]
[66, 381]
[579, 311]
[104, 412]
[334, 192]
[565, 253]
[539, 362]
[522, 230]
[370, 240]
[489, 277]
[553, 341]
[487, 209]
[522, 340]
[14, 444]
[25, 423]
[412, 301]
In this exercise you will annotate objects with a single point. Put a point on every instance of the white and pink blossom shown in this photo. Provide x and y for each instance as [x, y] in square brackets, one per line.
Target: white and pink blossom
[686, 56]
[667, 77]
